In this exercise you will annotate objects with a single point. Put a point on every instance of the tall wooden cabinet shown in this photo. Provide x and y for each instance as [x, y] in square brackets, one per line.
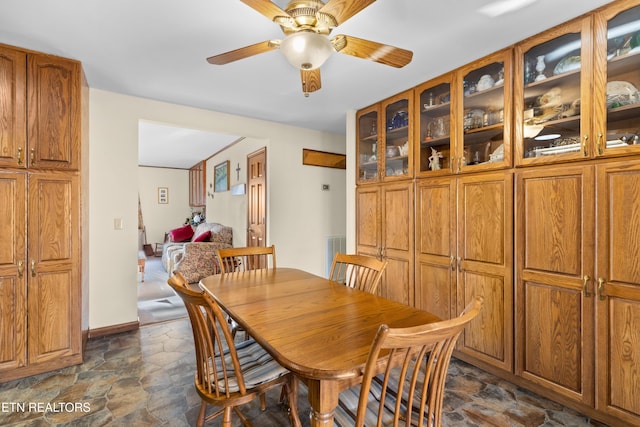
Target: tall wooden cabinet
[384, 217]
[527, 191]
[463, 249]
[41, 134]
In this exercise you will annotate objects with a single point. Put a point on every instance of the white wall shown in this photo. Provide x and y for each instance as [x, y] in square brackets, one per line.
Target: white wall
[160, 218]
[113, 184]
[299, 214]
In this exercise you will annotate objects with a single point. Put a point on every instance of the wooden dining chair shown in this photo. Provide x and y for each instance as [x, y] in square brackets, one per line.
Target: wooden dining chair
[228, 374]
[247, 258]
[414, 363]
[357, 271]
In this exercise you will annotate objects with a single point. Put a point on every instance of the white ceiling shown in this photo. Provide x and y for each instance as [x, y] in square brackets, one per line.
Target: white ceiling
[158, 48]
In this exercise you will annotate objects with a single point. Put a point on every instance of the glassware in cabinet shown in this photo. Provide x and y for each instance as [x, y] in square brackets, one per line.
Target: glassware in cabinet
[397, 137]
[552, 114]
[621, 97]
[434, 138]
[485, 115]
[367, 136]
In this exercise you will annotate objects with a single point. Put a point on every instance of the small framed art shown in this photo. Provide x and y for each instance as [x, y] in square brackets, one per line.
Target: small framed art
[221, 177]
[163, 195]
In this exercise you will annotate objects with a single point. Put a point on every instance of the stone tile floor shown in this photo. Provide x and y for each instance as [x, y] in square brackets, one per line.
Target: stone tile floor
[145, 378]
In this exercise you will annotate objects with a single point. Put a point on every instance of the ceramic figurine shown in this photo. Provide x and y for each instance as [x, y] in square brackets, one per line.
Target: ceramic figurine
[434, 160]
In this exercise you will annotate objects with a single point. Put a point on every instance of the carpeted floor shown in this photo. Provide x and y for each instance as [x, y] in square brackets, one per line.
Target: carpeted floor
[156, 300]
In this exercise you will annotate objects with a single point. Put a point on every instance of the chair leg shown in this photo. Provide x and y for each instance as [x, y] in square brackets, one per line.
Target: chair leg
[292, 395]
[227, 417]
[203, 409]
[263, 402]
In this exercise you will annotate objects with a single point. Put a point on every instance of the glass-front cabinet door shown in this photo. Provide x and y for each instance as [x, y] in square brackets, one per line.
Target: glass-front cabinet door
[395, 151]
[485, 114]
[618, 104]
[367, 127]
[552, 97]
[434, 138]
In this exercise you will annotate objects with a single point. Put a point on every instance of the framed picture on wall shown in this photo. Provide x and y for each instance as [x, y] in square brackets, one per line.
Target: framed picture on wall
[221, 177]
[163, 195]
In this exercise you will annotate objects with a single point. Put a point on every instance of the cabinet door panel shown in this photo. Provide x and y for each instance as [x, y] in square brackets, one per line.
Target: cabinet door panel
[368, 220]
[53, 247]
[554, 238]
[12, 108]
[487, 336]
[12, 271]
[398, 230]
[54, 114]
[398, 276]
[435, 251]
[618, 297]
[554, 281]
[484, 265]
[553, 347]
[397, 242]
[482, 221]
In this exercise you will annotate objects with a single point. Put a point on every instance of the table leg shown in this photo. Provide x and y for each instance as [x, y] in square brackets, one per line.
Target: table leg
[323, 398]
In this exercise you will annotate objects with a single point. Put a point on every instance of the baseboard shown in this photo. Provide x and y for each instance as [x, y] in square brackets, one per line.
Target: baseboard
[114, 329]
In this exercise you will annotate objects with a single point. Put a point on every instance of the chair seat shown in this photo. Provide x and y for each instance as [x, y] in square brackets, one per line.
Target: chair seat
[257, 366]
[345, 414]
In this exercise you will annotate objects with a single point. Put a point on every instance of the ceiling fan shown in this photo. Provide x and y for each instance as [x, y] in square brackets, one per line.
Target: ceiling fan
[307, 25]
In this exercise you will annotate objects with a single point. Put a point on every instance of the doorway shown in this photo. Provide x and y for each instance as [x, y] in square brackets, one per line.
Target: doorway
[257, 202]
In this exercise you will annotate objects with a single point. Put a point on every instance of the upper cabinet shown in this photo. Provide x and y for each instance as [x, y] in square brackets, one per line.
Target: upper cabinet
[384, 133]
[463, 122]
[618, 102]
[40, 122]
[435, 127]
[483, 114]
[576, 89]
[552, 94]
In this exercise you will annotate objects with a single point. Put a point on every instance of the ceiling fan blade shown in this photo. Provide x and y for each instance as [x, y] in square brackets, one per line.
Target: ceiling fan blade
[373, 51]
[266, 7]
[243, 52]
[310, 80]
[344, 9]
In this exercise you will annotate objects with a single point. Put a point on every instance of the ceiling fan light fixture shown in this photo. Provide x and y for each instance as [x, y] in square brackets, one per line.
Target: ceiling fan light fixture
[306, 50]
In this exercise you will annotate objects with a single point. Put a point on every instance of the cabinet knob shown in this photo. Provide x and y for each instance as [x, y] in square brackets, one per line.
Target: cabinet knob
[452, 263]
[32, 156]
[584, 145]
[19, 155]
[33, 268]
[20, 264]
[459, 265]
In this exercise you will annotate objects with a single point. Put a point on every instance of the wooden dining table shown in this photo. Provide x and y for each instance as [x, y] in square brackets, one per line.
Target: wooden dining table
[319, 329]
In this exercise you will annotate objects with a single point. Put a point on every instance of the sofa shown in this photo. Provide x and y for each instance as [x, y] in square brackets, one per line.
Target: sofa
[208, 235]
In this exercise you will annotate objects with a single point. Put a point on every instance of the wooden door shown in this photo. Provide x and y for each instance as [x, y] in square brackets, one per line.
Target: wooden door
[618, 290]
[436, 246]
[54, 113]
[398, 242]
[484, 265]
[13, 129]
[53, 300]
[554, 279]
[13, 314]
[257, 203]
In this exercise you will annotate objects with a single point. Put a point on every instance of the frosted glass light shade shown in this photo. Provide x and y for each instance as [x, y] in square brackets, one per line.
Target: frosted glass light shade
[306, 50]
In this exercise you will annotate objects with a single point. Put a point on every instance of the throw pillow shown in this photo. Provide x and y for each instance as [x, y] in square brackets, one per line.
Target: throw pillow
[204, 237]
[181, 234]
